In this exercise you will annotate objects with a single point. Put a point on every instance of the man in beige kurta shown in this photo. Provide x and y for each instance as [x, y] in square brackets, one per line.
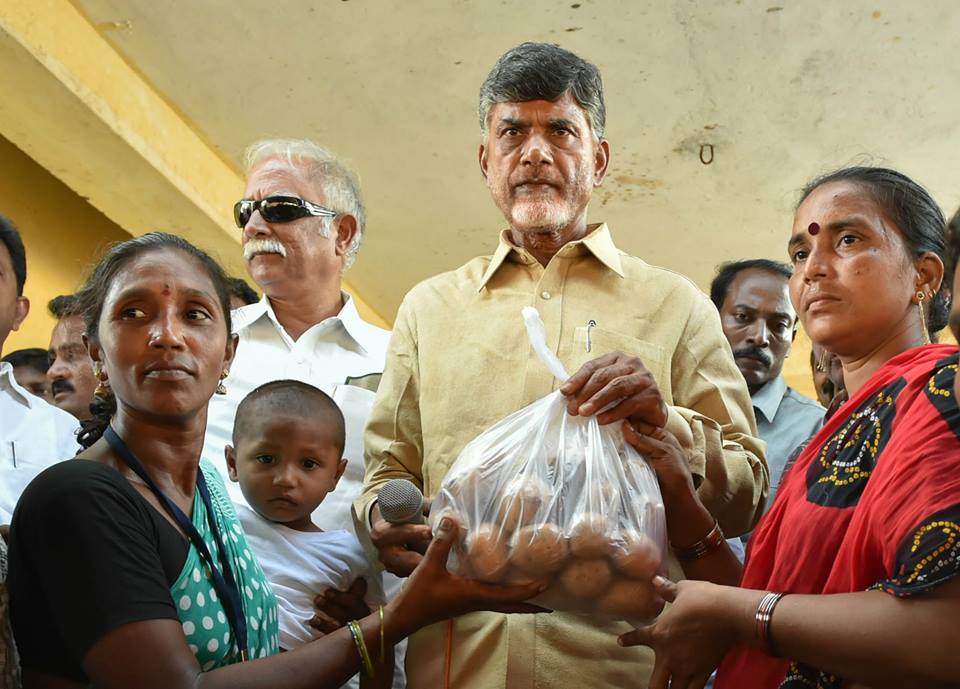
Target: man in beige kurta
[459, 361]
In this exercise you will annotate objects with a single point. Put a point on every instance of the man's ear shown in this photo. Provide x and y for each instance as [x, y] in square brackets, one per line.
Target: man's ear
[482, 159]
[601, 161]
[346, 229]
[231, 458]
[20, 314]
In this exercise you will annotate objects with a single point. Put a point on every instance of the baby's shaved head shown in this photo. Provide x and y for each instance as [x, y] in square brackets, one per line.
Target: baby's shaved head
[289, 398]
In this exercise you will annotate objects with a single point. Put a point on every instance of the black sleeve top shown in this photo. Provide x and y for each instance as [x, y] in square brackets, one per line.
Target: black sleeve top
[87, 554]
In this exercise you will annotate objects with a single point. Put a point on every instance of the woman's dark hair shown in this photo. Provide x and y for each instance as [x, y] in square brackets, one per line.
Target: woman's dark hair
[916, 215]
[91, 297]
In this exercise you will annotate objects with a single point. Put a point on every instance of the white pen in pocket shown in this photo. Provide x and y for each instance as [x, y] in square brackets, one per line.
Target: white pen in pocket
[590, 325]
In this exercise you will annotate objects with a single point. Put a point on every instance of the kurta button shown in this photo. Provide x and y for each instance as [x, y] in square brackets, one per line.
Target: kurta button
[544, 294]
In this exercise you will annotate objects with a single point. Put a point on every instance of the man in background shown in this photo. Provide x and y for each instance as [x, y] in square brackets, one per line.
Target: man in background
[30, 370]
[759, 323]
[33, 433]
[302, 219]
[71, 376]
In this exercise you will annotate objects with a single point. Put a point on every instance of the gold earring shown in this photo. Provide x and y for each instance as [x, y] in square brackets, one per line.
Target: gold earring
[103, 386]
[923, 317]
[822, 361]
[221, 388]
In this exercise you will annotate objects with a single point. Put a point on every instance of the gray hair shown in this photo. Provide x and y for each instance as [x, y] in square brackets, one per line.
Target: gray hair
[339, 184]
[544, 71]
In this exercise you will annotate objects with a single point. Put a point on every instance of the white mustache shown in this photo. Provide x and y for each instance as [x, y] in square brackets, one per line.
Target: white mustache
[263, 246]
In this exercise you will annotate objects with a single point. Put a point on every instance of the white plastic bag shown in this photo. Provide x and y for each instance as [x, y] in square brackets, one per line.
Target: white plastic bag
[546, 494]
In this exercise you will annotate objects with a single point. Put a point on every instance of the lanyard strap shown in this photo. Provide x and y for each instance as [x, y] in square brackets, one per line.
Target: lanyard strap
[225, 583]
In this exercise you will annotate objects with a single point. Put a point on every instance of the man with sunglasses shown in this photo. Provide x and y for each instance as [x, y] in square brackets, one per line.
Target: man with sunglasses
[645, 343]
[302, 220]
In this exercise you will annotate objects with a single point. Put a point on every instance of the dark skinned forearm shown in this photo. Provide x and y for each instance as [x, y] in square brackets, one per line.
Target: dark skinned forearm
[869, 637]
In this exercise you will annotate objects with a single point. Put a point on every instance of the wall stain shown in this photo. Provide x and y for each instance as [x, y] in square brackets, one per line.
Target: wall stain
[639, 181]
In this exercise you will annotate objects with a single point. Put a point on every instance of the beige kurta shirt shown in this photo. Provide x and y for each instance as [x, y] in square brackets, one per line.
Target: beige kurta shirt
[459, 361]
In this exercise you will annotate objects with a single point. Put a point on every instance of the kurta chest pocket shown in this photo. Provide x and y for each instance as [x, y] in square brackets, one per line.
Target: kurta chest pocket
[604, 341]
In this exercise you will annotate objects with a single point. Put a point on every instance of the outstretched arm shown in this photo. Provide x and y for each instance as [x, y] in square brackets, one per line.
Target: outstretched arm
[869, 637]
[153, 654]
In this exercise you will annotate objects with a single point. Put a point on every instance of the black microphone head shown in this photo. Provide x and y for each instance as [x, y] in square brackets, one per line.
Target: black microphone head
[401, 502]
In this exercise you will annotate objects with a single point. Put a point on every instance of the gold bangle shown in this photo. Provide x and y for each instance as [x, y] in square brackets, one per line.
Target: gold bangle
[361, 647]
[703, 547]
[383, 649]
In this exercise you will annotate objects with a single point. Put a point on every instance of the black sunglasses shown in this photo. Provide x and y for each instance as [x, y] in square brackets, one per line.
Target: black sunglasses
[278, 209]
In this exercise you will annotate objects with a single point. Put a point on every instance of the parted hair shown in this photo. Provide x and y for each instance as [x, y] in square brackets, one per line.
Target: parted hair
[544, 71]
[915, 214]
[91, 297]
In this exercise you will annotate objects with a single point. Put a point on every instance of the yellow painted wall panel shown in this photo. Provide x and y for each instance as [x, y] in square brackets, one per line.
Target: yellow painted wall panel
[62, 234]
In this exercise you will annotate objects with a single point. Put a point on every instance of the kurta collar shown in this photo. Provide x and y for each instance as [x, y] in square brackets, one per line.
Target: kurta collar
[598, 242]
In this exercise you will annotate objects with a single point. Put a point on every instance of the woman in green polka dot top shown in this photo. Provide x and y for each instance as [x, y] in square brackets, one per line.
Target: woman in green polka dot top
[128, 567]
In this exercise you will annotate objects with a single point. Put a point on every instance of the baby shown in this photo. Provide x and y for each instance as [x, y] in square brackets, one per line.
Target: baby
[287, 455]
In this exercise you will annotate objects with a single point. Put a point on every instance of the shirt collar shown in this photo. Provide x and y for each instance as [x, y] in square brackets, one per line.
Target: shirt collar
[16, 391]
[348, 317]
[598, 242]
[767, 399]
[355, 326]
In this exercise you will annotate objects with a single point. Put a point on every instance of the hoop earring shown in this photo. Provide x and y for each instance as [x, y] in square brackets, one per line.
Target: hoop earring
[923, 317]
[221, 388]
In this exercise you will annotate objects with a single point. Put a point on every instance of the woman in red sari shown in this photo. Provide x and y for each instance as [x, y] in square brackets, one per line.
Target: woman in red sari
[863, 540]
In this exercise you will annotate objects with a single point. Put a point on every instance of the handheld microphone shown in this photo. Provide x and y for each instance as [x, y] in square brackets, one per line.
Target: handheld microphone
[401, 502]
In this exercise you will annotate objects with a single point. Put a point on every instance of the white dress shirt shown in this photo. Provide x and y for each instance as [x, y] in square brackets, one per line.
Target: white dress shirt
[33, 435]
[339, 355]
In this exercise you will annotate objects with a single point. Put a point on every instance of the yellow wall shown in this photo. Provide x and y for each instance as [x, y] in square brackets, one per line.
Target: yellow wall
[796, 369]
[89, 117]
[62, 233]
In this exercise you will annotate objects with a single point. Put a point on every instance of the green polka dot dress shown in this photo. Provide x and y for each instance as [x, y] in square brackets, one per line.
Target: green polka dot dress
[202, 615]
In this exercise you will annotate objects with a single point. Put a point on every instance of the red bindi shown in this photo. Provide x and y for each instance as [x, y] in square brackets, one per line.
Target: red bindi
[813, 229]
[166, 290]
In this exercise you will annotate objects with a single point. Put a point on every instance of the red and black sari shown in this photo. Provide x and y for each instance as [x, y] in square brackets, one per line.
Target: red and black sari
[873, 502]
